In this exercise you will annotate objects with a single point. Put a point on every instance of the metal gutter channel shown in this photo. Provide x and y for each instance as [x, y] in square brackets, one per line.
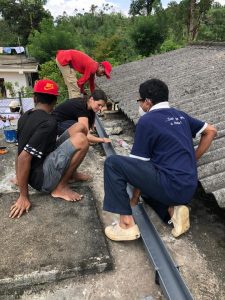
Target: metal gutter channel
[108, 148]
[167, 274]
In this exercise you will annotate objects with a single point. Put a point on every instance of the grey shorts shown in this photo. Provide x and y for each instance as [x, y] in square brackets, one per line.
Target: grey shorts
[57, 162]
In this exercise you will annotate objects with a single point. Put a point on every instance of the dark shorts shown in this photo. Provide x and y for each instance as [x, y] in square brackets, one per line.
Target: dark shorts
[57, 162]
[63, 126]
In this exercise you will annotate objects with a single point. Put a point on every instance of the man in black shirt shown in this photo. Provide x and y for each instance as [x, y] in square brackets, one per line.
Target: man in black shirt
[42, 162]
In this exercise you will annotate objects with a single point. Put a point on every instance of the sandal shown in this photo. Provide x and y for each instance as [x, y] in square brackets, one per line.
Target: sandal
[116, 233]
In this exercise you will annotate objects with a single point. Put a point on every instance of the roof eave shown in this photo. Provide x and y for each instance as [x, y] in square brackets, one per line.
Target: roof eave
[19, 71]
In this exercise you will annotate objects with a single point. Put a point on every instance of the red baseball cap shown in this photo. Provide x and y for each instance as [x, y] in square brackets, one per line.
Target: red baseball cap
[46, 86]
[108, 68]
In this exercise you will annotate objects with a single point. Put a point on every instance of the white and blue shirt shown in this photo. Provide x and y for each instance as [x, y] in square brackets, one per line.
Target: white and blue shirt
[164, 137]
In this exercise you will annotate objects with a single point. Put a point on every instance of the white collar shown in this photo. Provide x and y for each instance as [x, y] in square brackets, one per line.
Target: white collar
[160, 105]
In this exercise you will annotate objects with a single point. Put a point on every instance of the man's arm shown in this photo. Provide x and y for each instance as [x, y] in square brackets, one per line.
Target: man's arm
[23, 170]
[16, 167]
[86, 77]
[206, 139]
[94, 139]
[92, 83]
[3, 118]
[91, 138]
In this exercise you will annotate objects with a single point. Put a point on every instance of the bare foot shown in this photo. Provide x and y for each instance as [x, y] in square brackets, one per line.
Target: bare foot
[66, 193]
[170, 211]
[14, 181]
[134, 202]
[78, 176]
[126, 221]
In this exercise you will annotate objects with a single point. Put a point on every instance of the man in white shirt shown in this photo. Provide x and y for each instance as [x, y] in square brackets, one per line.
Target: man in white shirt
[162, 164]
[11, 115]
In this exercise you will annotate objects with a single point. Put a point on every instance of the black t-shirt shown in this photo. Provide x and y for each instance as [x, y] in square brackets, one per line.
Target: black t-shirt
[37, 132]
[72, 109]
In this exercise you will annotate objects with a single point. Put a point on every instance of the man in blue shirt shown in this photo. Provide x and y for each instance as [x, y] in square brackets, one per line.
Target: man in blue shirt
[162, 164]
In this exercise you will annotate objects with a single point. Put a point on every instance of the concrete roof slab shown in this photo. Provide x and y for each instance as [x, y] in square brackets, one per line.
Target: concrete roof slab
[56, 240]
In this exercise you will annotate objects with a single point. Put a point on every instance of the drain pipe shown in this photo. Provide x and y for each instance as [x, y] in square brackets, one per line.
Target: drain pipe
[166, 272]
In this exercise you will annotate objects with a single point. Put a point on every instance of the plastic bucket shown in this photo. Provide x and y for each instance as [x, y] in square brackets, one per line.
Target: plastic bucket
[10, 135]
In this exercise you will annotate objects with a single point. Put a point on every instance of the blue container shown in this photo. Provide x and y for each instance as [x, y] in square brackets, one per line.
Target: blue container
[10, 135]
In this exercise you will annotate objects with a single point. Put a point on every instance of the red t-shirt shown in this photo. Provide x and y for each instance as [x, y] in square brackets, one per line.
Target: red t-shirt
[80, 62]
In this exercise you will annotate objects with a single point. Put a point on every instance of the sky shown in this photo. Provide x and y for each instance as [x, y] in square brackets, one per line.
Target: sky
[69, 5]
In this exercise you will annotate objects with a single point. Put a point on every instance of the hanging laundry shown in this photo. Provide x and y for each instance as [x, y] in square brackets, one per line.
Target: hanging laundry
[7, 50]
[18, 49]
[13, 50]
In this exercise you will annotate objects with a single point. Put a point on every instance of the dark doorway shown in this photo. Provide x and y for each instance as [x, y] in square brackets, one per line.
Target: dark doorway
[2, 88]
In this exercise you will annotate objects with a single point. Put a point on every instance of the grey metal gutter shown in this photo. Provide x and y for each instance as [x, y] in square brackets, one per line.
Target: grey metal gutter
[167, 274]
[108, 148]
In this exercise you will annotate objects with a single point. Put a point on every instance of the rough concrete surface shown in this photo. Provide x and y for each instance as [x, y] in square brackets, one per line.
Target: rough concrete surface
[199, 253]
[55, 240]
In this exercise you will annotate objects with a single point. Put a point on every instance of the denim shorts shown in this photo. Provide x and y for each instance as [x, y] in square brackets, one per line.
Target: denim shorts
[63, 126]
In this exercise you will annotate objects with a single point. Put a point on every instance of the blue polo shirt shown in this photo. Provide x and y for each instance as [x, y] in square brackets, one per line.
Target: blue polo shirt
[164, 137]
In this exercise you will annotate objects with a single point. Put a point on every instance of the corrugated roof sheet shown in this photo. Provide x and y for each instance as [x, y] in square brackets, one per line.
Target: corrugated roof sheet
[196, 79]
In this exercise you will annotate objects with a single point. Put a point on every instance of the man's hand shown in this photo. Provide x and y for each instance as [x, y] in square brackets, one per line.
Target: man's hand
[22, 204]
[106, 140]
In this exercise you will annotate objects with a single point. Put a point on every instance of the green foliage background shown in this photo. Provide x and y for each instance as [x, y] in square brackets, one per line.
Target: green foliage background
[106, 35]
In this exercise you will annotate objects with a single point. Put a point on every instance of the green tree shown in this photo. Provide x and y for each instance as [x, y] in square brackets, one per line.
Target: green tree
[23, 16]
[176, 18]
[141, 7]
[213, 27]
[7, 37]
[169, 45]
[44, 44]
[117, 49]
[147, 35]
[197, 12]
[184, 19]
[51, 71]
[12, 88]
[96, 27]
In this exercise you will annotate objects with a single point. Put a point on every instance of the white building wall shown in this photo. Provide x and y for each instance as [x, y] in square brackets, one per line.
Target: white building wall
[14, 78]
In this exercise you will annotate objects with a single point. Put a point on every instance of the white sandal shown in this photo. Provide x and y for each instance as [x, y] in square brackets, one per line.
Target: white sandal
[116, 233]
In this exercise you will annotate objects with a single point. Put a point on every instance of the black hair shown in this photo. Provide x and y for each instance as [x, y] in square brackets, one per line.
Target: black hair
[99, 95]
[109, 105]
[45, 98]
[155, 90]
[15, 109]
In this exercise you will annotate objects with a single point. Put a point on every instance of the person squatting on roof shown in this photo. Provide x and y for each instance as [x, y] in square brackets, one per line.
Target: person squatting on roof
[83, 111]
[162, 164]
[70, 61]
[42, 162]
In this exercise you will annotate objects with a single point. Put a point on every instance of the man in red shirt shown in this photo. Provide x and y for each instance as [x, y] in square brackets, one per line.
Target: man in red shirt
[70, 61]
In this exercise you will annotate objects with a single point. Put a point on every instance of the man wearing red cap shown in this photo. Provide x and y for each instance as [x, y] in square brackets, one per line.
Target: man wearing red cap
[72, 61]
[43, 161]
